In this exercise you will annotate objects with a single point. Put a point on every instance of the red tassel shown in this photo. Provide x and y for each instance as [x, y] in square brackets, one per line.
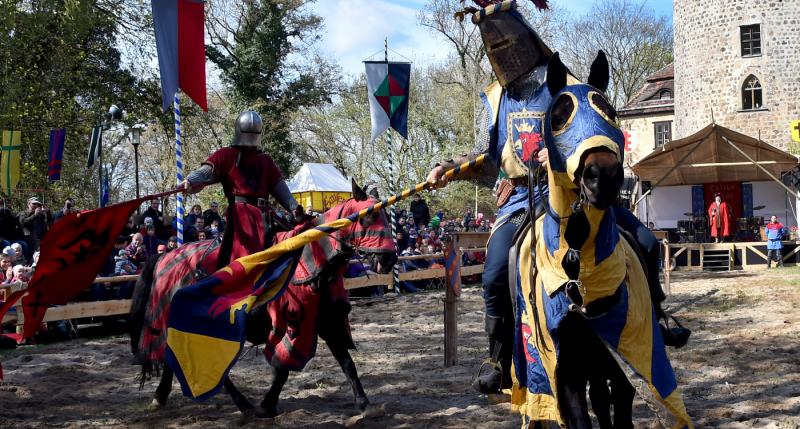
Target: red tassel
[540, 4]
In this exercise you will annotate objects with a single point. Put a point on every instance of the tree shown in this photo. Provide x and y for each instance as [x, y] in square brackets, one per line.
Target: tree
[258, 46]
[636, 41]
[59, 68]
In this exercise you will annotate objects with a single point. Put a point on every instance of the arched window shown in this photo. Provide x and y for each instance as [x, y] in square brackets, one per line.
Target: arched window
[665, 95]
[751, 93]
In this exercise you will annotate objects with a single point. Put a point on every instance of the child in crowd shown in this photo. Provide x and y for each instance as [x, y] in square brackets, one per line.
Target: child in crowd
[123, 266]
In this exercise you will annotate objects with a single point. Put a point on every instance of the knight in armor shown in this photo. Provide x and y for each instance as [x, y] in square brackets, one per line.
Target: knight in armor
[509, 132]
[248, 177]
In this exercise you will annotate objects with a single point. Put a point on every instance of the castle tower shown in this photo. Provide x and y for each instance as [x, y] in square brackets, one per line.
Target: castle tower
[741, 60]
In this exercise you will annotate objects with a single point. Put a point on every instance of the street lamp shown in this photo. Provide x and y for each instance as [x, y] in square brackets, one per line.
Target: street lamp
[136, 136]
[114, 114]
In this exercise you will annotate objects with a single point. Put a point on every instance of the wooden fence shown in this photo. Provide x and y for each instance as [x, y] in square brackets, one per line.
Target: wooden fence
[458, 243]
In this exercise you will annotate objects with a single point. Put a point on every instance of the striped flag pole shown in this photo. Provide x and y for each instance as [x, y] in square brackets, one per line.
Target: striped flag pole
[392, 184]
[178, 165]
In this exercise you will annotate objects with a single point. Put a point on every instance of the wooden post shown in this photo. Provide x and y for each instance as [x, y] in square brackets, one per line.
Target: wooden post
[667, 267]
[452, 260]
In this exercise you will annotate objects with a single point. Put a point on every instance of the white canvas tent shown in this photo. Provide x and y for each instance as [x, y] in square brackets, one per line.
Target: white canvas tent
[319, 186]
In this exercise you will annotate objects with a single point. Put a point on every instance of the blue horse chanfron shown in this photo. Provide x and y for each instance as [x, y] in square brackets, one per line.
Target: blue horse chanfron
[582, 303]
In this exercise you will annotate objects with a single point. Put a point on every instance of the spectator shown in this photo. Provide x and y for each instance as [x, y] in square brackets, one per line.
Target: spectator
[69, 207]
[172, 243]
[162, 248]
[150, 242]
[195, 230]
[18, 258]
[201, 235]
[156, 216]
[194, 213]
[136, 251]
[130, 227]
[10, 229]
[774, 231]
[120, 244]
[466, 222]
[6, 272]
[22, 274]
[123, 265]
[212, 214]
[214, 229]
[35, 221]
[420, 212]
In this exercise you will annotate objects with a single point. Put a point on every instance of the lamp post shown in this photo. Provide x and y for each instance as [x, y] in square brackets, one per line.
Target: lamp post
[136, 136]
[114, 114]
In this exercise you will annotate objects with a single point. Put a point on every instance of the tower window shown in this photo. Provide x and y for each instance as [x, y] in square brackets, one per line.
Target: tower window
[665, 95]
[751, 40]
[663, 132]
[751, 94]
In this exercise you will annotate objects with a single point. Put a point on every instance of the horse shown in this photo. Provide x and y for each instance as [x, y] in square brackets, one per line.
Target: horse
[287, 326]
[582, 304]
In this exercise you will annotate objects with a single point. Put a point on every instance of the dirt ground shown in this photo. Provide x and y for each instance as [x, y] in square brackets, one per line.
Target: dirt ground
[740, 370]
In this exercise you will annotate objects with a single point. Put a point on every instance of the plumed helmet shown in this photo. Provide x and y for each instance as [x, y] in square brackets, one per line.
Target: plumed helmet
[248, 129]
[512, 45]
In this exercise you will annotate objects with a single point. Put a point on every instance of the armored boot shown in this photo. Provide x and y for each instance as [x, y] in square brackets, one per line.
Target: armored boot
[498, 374]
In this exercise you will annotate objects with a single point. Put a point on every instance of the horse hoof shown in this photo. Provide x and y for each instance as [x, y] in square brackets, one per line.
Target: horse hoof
[266, 413]
[154, 405]
[247, 416]
[362, 403]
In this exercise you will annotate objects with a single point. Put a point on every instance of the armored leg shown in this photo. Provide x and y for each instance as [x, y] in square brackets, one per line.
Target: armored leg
[499, 312]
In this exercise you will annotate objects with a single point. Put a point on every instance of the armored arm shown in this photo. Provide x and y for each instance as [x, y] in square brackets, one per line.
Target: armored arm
[199, 178]
[284, 197]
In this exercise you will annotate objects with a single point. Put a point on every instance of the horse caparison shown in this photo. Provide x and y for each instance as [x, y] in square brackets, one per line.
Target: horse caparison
[327, 281]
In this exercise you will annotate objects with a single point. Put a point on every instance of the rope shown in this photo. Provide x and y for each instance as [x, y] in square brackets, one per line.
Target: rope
[178, 165]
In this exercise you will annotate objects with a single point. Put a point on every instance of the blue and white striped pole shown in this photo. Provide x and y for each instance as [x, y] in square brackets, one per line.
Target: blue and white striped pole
[178, 165]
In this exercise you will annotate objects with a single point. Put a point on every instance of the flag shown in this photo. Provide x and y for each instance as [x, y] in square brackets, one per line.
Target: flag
[104, 197]
[75, 248]
[205, 332]
[387, 88]
[9, 168]
[180, 43]
[57, 139]
[95, 145]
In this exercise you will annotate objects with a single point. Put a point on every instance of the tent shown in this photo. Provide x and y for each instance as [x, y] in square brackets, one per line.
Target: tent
[319, 186]
[711, 155]
[684, 174]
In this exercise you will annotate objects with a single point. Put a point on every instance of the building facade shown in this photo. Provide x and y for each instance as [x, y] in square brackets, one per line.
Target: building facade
[737, 62]
[647, 119]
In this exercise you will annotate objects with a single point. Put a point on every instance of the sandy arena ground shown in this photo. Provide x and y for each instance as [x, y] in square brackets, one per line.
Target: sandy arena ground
[741, 369]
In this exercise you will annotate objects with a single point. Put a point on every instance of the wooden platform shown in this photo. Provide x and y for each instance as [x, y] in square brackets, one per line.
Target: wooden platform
[741, 255]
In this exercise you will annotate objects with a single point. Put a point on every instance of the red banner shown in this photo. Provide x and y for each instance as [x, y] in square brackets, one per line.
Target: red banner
[731, 193]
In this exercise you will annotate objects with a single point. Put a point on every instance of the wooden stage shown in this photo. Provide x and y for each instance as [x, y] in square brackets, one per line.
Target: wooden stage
[726, 256]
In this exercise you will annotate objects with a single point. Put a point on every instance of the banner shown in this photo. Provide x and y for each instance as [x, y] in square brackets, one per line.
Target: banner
[57, 139]
[387, 88]
[9, 165]
[95, 145]
[179, 28]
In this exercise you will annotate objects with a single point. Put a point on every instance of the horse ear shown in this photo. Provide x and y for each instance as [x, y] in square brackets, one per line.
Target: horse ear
[358, 193]
[598, 74]
[556, 75]
[374, 193]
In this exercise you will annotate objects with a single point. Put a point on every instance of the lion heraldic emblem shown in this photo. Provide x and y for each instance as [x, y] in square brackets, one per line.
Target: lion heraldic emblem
[526, 133]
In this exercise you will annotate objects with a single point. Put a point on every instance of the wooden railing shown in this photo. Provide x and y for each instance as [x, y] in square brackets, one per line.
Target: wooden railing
[461, 242]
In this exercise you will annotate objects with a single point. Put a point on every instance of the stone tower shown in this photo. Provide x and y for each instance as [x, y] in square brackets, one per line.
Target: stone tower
[741, 59]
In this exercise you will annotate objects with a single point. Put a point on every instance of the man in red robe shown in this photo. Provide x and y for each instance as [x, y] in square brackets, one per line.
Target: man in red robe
[719, 218]
[248, 177]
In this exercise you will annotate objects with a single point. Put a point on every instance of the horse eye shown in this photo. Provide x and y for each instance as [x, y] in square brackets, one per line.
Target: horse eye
[601, 104]
[561, 112]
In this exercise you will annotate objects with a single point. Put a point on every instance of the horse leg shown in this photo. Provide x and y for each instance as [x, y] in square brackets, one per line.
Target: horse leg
[269, 406]
[163, 389]
[349, 368]
[601, 401]
[240, 400]
[622, 393]
[572, 402]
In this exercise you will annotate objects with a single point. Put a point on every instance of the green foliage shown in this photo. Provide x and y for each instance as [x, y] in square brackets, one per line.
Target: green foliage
[254, 57]
[59, 68]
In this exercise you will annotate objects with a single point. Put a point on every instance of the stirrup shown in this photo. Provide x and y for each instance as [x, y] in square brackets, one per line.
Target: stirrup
[495, 366]
[674, 337]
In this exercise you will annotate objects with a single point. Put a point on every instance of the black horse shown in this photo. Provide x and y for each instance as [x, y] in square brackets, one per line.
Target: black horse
[320, 299]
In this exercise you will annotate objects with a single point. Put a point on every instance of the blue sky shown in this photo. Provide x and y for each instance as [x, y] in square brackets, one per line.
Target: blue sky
[355, 29]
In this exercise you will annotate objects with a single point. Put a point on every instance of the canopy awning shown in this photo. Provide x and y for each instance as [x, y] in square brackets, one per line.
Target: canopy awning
[313, 177]
[705, 157]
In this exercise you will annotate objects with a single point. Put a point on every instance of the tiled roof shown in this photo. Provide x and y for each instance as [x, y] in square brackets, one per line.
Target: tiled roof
[648, 98]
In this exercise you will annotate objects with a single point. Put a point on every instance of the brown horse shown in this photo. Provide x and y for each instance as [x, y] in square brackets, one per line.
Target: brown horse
[314, 305]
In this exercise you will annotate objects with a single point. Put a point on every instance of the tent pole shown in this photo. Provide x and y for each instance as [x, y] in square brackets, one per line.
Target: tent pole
[772, 176]
[677, 164]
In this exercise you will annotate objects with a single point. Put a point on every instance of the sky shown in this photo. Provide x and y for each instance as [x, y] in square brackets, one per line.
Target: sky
[355, 29]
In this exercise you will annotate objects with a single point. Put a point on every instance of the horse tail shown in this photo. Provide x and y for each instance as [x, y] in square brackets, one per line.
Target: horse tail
[141, 296]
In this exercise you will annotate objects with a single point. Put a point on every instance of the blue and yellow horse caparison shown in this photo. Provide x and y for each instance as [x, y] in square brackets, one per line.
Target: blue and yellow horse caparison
[593, 276]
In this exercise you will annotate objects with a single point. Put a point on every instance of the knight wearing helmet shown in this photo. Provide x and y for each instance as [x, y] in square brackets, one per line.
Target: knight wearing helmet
[510, 132]
[248, 177]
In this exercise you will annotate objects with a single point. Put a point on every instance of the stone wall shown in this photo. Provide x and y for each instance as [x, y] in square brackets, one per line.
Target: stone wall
[710, 70]
[642, 134]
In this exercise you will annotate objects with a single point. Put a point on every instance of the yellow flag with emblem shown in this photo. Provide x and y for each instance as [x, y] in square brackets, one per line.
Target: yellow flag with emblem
[795, 129]
[9, 164]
